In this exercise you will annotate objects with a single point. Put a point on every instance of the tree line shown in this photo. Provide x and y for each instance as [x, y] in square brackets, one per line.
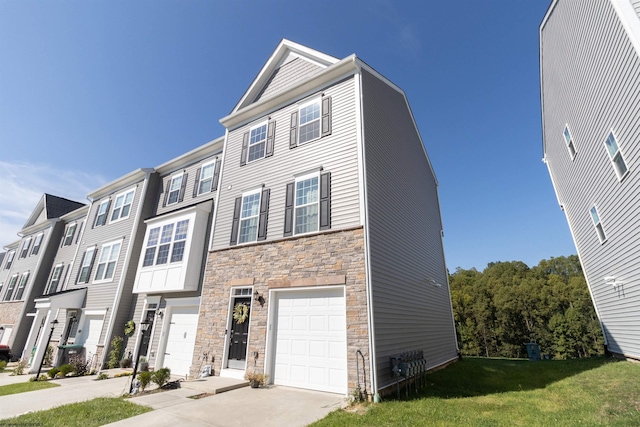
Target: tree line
[509, 304]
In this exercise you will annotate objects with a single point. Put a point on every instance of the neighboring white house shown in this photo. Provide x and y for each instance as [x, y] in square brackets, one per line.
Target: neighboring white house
[590, 88]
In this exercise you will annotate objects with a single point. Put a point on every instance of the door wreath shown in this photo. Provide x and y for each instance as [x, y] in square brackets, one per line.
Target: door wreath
[240, 312]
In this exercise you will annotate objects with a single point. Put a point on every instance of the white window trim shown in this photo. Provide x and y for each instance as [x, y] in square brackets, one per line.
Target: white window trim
[262, 141]
[213, 171]
[295, 202]
[10, 258]
[595, 224]
[174, 178]
[37, 243]
[570, 143]
[618, 153]
[115, 267]
[22, 284]
[13, 290]
[257, 191]
[53, 275]
[26, 245]
[160, 226]
[106, 212]
[319, 119]
[124, 198]
[71, 227]
[89, 258]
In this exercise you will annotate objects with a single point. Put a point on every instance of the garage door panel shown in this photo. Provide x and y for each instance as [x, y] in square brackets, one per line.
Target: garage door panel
[181, 338]
[311, 340]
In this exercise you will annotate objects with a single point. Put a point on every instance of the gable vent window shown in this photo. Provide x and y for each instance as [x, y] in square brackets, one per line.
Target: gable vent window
[598, 224]
[310, 121]
[615, 155]
[258, 142]
[568, 139]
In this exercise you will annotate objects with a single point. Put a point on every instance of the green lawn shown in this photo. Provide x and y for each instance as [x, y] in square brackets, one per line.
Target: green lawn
[96, 412]
[499, 392]
[23, 387]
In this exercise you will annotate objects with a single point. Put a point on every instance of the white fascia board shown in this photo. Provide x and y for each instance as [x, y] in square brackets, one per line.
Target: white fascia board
[341, 69]
[542, 24]
[12, 246]
[630, 21]
[35, 228]
[210, 148]
[275, 60]
[120, 183]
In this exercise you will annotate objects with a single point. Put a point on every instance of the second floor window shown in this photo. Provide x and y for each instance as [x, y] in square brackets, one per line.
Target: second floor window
[166, 244]
[308, 204]
[122, 205]
[250, 217]
[107, 262]
[56, 278]
[86, 265]
[68, 234]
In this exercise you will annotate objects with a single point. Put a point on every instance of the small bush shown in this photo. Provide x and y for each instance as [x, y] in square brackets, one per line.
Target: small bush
[43, 377]
[33, 379]
[19, 368]
[3, 365]
[161, 376]
[102, 376]
[65, 370]
[125, 363]
[145, 379]
[53, 372]
[79, 364]
[114, 354]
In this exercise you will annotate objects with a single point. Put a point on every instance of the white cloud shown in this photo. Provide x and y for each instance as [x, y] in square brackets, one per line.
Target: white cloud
[23, 184]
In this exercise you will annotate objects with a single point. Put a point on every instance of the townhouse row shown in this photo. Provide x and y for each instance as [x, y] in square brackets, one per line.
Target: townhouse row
[305, 243]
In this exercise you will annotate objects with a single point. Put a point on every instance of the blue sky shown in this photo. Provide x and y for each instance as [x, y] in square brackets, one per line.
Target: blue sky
[91, 90]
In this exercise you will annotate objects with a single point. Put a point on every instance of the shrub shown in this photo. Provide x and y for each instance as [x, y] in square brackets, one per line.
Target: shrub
[125, 363]
[48, 356]
[145, 379]
[19, 368]
[114, 354]
[161, 376]
[102, 376]
[79, 364]
[65, 370]
[53, 372]
[33, 379]
[3, 365]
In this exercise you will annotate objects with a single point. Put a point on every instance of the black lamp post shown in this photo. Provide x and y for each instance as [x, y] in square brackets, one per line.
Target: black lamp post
[54, 322]
[143, 327]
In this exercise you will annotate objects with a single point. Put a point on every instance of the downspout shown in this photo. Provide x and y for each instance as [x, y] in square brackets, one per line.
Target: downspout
[125, 266]
[365, 221]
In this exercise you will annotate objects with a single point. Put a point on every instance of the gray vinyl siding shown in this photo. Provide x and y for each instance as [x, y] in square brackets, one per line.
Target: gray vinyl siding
[591, 80]
[191, 171]
[636, 6]
[287, 75]
[336, 153]
[404, 228]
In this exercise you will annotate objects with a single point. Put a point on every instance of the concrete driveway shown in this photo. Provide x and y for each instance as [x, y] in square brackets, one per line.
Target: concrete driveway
[213, 401]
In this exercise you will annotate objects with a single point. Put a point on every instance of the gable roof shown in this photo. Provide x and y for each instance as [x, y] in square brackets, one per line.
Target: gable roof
[286, 52]
[51, 207]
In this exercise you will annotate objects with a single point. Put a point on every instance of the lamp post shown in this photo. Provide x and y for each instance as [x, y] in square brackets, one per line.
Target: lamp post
[54, 322]
[143, 327]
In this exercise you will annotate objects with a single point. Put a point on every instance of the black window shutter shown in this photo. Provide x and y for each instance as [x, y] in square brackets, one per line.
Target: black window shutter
[167, 186]
[80, 269]
[65, 270]
[183, 187]
[93, 258]
[271, 134]
[197, 183]
[79, 232]
[216, 175]
[288, 209]
[293, 132]
[326, 116]
[245, 149]
[325, 201]
[264, 214]
[236, 221]
[95, 218]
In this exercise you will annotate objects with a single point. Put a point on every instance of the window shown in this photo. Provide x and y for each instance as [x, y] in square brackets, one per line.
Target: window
[86, 265]
[174, 189]
[23, 284]
[56, 277]
[36, 244]
[25, 247]
[69, 231]
[569, 140]
[250, 217]
[258, 142]
[101, 214]
[616, 156]
[108, 260]
[310, 121]
[9, 262]
[308, 204]
[122, 205]
[166, 243]
[598, 224]
[11, 287]
[204, 180]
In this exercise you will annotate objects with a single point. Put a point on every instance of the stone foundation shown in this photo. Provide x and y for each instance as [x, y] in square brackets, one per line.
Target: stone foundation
[334, 258]
[10, 312]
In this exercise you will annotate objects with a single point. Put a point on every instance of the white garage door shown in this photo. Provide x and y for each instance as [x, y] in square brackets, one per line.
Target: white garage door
[181, 339]
[5, 335]
[311, 340]
[91, 334]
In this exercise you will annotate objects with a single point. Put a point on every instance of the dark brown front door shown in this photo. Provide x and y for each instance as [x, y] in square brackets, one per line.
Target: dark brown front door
[239, 335]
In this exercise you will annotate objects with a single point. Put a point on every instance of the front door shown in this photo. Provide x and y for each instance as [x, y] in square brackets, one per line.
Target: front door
[239, 333]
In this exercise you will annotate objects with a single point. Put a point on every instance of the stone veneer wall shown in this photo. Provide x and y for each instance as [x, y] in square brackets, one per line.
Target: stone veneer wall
[10, 312]
[334, 258]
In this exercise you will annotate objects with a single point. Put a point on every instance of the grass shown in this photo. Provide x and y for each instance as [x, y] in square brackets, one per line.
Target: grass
[96, 412]
[499, 392]
[24, 387]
